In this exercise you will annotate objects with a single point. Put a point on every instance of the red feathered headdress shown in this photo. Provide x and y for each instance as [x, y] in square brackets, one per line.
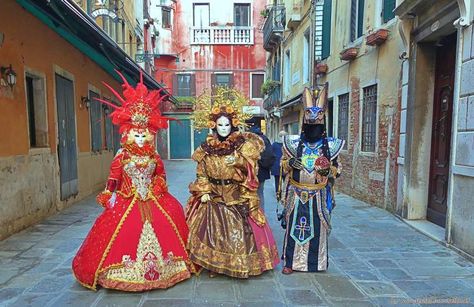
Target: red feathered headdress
[139, 107]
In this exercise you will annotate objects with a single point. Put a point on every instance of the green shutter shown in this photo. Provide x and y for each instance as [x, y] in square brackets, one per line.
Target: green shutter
[326, 50]
[360, 19]
[388, 7]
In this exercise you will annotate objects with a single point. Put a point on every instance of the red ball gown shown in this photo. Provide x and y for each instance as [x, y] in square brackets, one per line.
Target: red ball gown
[139, 243]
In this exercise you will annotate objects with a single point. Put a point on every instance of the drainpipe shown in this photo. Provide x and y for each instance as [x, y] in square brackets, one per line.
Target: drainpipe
[454, 128]
[387, 161]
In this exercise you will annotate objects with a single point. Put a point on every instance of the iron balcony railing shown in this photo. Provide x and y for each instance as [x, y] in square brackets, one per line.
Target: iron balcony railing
[273, 99]
[274, 27]
[222, 35]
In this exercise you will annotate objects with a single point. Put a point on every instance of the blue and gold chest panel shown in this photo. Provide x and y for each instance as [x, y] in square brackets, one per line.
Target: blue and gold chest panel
[291, 142]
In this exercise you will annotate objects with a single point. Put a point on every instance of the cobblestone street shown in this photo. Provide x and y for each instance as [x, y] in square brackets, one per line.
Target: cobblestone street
[375, 260]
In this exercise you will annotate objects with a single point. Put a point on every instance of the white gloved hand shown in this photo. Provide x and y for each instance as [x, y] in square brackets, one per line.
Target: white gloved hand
[205, 198]
[112, 199]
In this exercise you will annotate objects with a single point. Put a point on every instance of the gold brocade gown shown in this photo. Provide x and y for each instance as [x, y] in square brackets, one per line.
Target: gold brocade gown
[229, 234]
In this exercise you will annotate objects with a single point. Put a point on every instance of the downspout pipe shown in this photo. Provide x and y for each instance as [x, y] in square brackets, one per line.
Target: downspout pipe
[454, 128]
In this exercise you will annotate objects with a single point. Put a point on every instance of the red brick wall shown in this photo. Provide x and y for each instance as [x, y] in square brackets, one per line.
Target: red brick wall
[357, 166]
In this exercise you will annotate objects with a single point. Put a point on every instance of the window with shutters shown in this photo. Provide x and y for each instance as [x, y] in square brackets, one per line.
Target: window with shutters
[256, 86]
[357, 19]
[95, 113]
[388, 7]
[326, 25]
[369, 118]
[343, 118]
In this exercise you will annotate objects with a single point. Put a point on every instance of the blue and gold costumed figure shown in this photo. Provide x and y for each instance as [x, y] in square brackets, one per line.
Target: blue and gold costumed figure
[309, 164]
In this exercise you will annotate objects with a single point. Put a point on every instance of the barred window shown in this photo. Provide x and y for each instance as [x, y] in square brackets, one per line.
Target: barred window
[343, 118]
[369, 118]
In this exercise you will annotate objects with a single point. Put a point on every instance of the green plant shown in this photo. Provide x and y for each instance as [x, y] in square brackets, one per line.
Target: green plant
[185, 99]
[269, 86]
[264, 13]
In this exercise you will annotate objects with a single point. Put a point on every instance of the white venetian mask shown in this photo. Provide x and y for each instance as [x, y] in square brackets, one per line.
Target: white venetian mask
[223, 126]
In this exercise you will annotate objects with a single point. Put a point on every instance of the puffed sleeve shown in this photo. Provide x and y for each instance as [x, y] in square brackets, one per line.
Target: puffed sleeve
[159, 180]
[200, 185]
[113, 181]
[251, 151]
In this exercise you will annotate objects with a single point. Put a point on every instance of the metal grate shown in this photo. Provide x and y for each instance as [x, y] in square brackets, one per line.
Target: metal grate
[343, 118]
[369, 118]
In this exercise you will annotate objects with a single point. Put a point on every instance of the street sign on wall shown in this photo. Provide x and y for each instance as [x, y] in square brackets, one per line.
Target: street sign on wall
[251, 110]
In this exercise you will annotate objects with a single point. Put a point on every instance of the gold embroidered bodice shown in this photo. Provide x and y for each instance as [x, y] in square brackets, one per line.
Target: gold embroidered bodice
[140, 169]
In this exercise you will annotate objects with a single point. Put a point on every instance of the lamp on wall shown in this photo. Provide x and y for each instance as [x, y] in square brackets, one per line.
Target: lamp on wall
[8, 76]
[106, 110]
[85, 102]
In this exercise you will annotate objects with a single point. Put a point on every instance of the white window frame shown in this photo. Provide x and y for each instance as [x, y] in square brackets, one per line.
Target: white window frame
[357, 39]
[287, 71]
[306, 57]
[251, 84]
[249, 2]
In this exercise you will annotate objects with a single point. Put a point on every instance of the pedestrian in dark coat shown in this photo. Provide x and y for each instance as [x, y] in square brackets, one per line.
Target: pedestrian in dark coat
[267, 158]
[277, 151]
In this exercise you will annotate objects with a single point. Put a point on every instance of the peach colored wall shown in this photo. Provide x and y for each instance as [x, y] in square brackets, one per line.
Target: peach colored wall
[37, 47]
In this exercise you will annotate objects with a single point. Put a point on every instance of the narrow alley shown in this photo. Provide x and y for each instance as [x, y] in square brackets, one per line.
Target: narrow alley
[375, 260]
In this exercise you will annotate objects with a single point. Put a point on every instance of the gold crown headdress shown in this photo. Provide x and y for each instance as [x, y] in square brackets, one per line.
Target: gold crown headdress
[224, 102]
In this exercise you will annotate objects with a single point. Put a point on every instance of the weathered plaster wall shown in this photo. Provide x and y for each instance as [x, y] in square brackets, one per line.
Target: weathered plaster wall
[28, 188]
[294, 42]
[203, 60]
[29, 177]
[462, 211]
[421, 108]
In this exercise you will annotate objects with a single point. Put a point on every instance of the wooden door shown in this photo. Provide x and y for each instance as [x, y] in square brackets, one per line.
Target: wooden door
[441, 131]
[67, 149]
[180, 139]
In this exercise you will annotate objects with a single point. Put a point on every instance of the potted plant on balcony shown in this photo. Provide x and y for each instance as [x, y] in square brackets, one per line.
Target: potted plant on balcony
[229, 24]
[185, 102]
[377, 37]
[349, 54]
[264, 13]
[269, 86]
[321, 68]
[214, 24]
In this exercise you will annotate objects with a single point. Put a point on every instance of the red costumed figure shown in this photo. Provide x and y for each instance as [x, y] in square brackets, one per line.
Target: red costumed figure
[138, 242]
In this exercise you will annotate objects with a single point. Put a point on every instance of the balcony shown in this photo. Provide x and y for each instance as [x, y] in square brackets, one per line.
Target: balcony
[222, 35]
[273, 99]
[274, 27]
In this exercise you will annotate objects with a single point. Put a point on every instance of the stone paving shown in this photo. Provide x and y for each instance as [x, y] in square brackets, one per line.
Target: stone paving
[375, 260]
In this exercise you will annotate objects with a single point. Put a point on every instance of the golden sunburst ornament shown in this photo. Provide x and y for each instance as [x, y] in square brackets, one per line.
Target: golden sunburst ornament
[225, 101]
